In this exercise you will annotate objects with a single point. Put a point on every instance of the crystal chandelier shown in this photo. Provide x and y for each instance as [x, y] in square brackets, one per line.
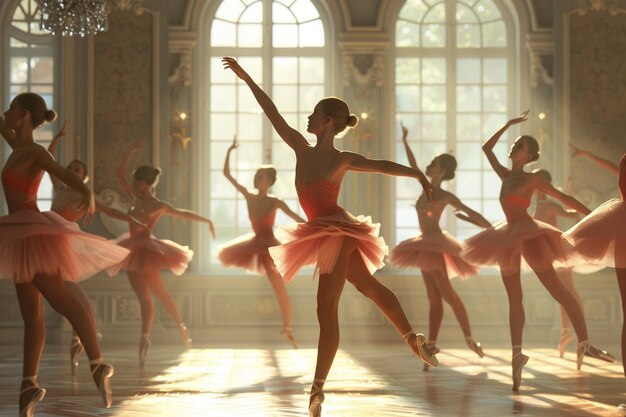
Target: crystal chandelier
[74, 17]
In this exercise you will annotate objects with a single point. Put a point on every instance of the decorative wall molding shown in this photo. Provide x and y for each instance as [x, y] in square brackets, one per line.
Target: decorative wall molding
[540, 44]
[612, 6]
[364, 70]
[136, 6]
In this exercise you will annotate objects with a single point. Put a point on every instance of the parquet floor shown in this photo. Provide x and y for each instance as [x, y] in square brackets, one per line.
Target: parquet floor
[375, 380]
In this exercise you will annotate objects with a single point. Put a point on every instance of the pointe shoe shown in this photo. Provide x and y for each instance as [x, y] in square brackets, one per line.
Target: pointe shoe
[36, 394]
[584, 348]
[288, 334]
[476, 347]
[102, 374]
[184, 334]
[315, 401]
[76, 348]
[417, 343]
[518, 362]
[144, 345]
[566, 339]
[432, 347]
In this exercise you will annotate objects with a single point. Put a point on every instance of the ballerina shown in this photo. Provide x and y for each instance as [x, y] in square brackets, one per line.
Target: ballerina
[41, 250]
[600, 238]
[437, 253]
[66, 202]
[548, 211]
[341, 245]
[505, 243]
[251, 251]
[148, 255]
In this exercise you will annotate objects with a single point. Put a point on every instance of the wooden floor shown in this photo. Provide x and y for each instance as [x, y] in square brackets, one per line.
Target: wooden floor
[380, 380]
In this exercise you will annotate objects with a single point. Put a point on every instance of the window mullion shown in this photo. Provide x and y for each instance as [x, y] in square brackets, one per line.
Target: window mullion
[266, 140]
[451, 138]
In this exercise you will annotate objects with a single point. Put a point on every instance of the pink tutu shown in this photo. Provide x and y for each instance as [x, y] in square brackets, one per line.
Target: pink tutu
[149, 253]
[432, 252]
[249, 251]
[33, 242]
[318, 242]
[600, 237]
[501, 244]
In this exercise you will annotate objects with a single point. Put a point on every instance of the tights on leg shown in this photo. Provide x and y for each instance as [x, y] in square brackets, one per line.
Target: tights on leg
[435, 311]
[566, 277]
[34, 329]
[450, 296]
[517, 318]
[79, 295]
[142, 291]
[162, 293]
[280, 290]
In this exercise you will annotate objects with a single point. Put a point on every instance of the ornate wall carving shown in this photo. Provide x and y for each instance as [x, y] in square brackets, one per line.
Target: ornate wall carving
[597, 86]
[123, 90]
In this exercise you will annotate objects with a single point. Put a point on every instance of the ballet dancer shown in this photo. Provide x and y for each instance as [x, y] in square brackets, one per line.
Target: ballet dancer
[548, 211]
[251, 251]
[601, 238]
[40, 250]
[437, 253]
[341, 245]
[66, 202]
[505, 243]
[148, 255]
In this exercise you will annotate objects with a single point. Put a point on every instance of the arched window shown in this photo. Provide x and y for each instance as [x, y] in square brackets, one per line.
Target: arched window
[30, 67]
[455, 87]
[283, 44]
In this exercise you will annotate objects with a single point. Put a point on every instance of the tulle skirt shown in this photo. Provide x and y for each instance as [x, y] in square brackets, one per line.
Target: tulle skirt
[501, 246]
[148, 253]
[432, 252]
[33, 242]
[600, 238]
[319, 241]
[249, 252]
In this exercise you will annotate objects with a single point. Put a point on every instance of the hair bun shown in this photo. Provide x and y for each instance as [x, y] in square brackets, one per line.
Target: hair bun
[352, 120]
[50, 115]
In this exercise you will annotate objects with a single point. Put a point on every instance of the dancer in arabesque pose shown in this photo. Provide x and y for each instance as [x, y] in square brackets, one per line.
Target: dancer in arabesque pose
[341, 245]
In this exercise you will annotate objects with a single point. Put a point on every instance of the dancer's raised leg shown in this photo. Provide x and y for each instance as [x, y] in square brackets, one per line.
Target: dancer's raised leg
[435, 311]
[280, 290]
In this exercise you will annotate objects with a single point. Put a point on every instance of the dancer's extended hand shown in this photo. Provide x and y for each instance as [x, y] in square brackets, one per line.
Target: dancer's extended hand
[522, 118]
[234, 145]
[211, 229]
[88, 204]
[232, 64]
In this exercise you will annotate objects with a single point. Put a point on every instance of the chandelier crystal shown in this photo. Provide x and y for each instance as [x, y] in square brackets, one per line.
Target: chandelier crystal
[74, 17]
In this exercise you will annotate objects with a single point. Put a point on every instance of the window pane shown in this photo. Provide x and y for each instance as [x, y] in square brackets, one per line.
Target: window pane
[433, 98]
[436, 14]
[42, 70]
[407, 188]
[494, 34]
[468, 127]
[407, 71]
[433, 71]
[222, 212]
[487, 10]
[310, 95]
[304, 10]
[468, 36]
[468, 98]
[223, 97]
[464, 14]
[250, 35]
[286, 98]
[222, 126]
[220, 187]
[492, 123]
[491, 184]
[434, 127]
[312, 34]
[312, 70]
[468, 184]
[15, 43]
[253, 14]
[468, 71]
[285, 36]
[492, 210]
[281, 14]
[433, 36]
[219, 74]
[245, 100]
[285, 70]
[230, 10]
[405, 213]
[19, 70]
[469, 155]
[495, 71]
[250, 126]
[495, 99]
[253, 66]
[407, 98]
[223, 33]
[407, 34]
[414, 10]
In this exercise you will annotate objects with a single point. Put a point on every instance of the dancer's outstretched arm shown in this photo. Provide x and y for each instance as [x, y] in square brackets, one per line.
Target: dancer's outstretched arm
[45, 160]
[488, 146]
[355, 162]
[117, 214]
[407, 148]
[601, 162]
[123, 169]
[465, 213]
[542, 184]
[56, 184]
[7, 134]
[243, 190]
[292, 137]
[285, 208]
[188, 215]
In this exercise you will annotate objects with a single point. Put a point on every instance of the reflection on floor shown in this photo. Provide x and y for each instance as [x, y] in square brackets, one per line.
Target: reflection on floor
[380, 380]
